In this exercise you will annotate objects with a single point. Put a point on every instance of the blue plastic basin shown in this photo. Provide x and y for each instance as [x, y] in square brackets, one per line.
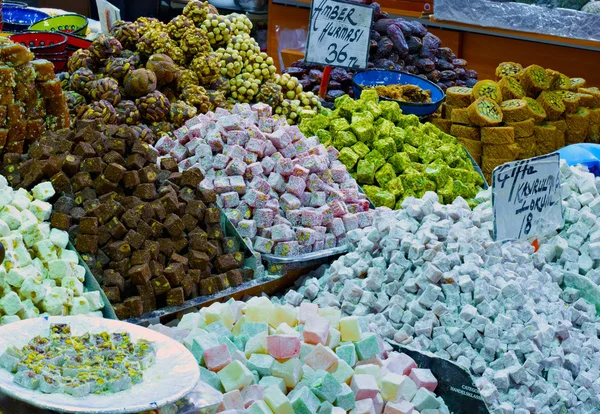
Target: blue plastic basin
[586, 154]
[374, 77]
[18, 19]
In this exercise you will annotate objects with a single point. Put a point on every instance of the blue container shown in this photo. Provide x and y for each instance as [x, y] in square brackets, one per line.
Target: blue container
[18, 19]
[374, 77]
[586, 154]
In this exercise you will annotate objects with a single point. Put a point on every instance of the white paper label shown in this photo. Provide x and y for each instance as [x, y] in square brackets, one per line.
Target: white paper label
[339, 34]
[526, 198]
[107, 14]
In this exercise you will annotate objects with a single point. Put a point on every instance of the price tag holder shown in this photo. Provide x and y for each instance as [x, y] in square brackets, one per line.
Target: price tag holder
[526, 198]
[339, 34]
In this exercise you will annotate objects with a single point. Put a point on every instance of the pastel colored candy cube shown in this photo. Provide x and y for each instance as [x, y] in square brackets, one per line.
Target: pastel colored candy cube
[290, 371]
[425, 399]
[407, 389]
[269, 381]
[347, 352]
[400, 407]
[400, 364]
[217, 357]
[304, 401]
[235, 376]
[233, 400]
[325, 386]
[283, 346]
[367, 347]
[316, 330]
[364, 406]
[277, 401]
[423, 378]
[389, 386]
[259, 407]
[341, 371]
[251, 394]
[321, 358]
[345, 398]
[350, 329]
[364, 386]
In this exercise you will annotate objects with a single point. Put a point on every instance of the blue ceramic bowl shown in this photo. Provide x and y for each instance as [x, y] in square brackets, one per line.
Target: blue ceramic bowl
[374, 77]
[18, 19]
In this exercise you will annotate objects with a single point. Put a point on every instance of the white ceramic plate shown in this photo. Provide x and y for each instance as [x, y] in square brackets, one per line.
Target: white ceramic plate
[174, 373]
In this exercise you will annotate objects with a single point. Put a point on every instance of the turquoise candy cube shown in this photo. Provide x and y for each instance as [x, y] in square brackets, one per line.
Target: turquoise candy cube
[266, 382]
[240, 341]
[345, 398]
[203, 341]
[347, 352]
[308, 375]
[251, 329]
[325, 408]
[368, 347]
[232, 347]
[304, 401]
[325, 386]
[260, 363]
[211, 379]
[219, 330]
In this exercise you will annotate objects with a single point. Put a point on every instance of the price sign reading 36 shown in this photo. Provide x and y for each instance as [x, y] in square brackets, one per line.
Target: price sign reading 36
[339, 34]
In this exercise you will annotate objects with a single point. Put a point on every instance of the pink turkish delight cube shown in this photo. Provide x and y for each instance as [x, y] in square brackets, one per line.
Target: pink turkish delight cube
[182, 135]
[423, 378]
[234, 216]
[251, 158]
[280, 138]
[192, 121]
[192, 144]
[235, 168]
[327, 213]
[217, 357]
[287, 249]
[185, 164]
[400, 364]
[330, 241]
[222, 185]
[236, 152]
[268, 165]
[256, 146]
[350, 221]
[251, 394]
[336, 227]
[220, 161]
[215, 141]
[301, 145]
[277, 182]
[281, 233]
[332, 153]
[296, 186]
[284, 166]
[300, 171]
[239, 138]
[266, 125]
[273, 204]
[230, 199]
[315, 183]
[277, 219]
[294, 132]
[283, 346]
[317, 198]
[316, 330]
[364, 386]
[263, 245]
[165, 144]
[305, 236]
[311, 217]
[290, 202]
[247, 228]
[365, 219]
[260, 184]
[289, 151]
[253, 170]
[263, 217]
[269, 148]
[232, 400]
[320, 232]
[263, 110]
[255, 198]
[204, 151]
[305, 199]
[237, 184]
[294, 217]
[318, 149]
[179, 152]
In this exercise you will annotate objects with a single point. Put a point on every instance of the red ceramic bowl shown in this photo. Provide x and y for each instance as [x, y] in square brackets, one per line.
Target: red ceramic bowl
[76, 42]
[43, 42]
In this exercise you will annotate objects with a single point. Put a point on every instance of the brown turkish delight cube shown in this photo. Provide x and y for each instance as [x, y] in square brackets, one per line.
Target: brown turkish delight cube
[104, 186]
[212, 215]
[196, 275]
[170, 202]
[161, 285]
[121, 311]
[16, 114]
[104, 235]
[208, 196]
[174, 273]
[114, 172]
[81, 180]
[247, 274]
[3, 115]
[135, 306]
[166, 246]
[116, 228]
[44, 70]
[116, 144]
[60, 221]
[119, 250]
[71, 164]
[87, 243]
[222, 282]
[187, 285]
[113, 157]
[84, 150]
[189, 222]
[135, 239]
[50, 89]
[153, 247]
[145, 211]
[112, 293]
[214, 231]
[175, 257]
[169, 164]
[212, 249]
[174, 225]
[148, 174]
[144, 229]
[179, 243]
[159, 210]
[235, 277]
[146, 292]
[197, 209]
[120, 266]
[53, 165]
[157, 227]
[113, 278]
[35, 107]
[198, 239]
[186, 194]
[191, 178]
[209, 286]
[175, 297]
[93, 165]
[130, 218]
[146, 191]
[136, 162]
[61, 182]
[226, 262]
[156, 268]
[140, 274]
[88, 225]
[198, 259]
[140, 257]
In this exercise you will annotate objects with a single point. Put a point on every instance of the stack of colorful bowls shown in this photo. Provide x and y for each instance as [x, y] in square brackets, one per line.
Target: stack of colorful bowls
[45, 45]
[71, 25]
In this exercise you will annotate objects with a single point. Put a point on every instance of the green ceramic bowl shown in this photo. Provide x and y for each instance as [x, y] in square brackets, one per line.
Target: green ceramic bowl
[67, 23]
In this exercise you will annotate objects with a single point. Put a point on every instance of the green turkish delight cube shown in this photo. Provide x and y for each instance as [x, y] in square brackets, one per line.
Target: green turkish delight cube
[400, 161]
[412, 152]
[324, 137]
[429, 185]
[346, 106]
[437, 171]
[338, 125]
[390, 110]
[413, 181]
[371, 190]
[373, 107]
[395, 187]
[361, 149]
[408, 120]
[385, 175]
[384, 199]
[460, 175]
[369, 95]
[383, 128]
[376, 158]
[446, 190]
[398, 135]
[385, 146]
[344, 139]
[414, 136]
[305, 127]
[319, 122]
[447, 138]
[464, 190]
[362, 116]
[364, 130]
[354, 175]
[348, 157]
[428, 154]
[365, 172]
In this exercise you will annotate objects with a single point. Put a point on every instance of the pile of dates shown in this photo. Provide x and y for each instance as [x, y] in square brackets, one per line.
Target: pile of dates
[396, 44]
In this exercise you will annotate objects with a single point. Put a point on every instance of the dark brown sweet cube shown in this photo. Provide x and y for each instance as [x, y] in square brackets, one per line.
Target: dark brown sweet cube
[146, 292]
[174, 225]
[235, 277]
[135, 306]
[169, 164]
[191, 178]
[157, 227]
[61, 182]
[146, 191]
[135, 239]
[214, 231]
[174, 178]
[222, 282]
[84, 150]
[60, 221]
[175, 297]
[148, 174]
[140, 274]
[93, 165]
[189, 222]
[81, 180]
[209, 286]
[52, 166]
[120, 266]
[121, 311]
[130, 219]
[212, 249]
[136, 162]
[195, 274]
[102, 185]
[119, 250]
[187, 283]
[71, 164]
[131, 179]
[114, 172]
[86, 243]
[180, 243]
[174, 273]
[159, 210]
[113, 278]
[198, 239]
[198, 260]
[113, 157]
[226, 262]
[144, 229]
[145, 211]
[161, 285]
[247, 274]
[170, 202]
[186, 194]
[207, 196]
[112, 293]
[153, 247]
[116, 228]
[212, 216]
[156, 268]
[175, 257]
[166, 246]
[117, 145]
[140, 257]
[104, 235]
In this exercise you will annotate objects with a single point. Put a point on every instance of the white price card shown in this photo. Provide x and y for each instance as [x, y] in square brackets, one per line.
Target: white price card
[107, 14]
[526, 198]
[339, 34]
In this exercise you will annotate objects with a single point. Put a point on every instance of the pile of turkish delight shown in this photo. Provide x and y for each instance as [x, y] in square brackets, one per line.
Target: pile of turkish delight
[285, 193]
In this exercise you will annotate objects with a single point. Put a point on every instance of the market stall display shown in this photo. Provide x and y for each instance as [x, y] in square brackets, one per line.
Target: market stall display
[436, 280]
[31, 98]
[39, 274]
[157, 371]
[396, 44]
[286, 359]
[393, 156]
[284, 193]
[526, 112]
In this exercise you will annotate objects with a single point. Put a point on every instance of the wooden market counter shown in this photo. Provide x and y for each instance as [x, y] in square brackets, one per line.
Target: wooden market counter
[482, 47]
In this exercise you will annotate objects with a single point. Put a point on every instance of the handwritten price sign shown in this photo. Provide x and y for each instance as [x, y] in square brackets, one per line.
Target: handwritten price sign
[339, 34]
[526, 198]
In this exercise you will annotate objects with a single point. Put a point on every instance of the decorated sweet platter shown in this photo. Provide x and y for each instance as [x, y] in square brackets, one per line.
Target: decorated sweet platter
[151, 371]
